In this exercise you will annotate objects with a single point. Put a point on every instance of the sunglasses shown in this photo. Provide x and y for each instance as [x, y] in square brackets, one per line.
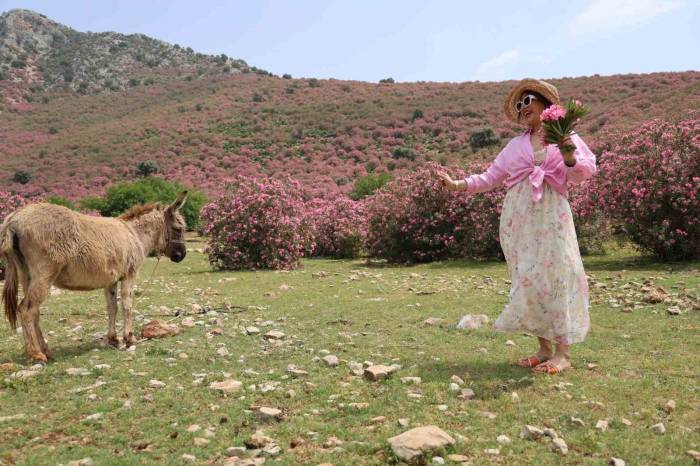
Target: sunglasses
[521, 104]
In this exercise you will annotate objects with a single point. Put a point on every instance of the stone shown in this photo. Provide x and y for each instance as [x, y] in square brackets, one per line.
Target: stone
[670, 406]
[577, 421]
[356, 368]
[454, 387]
[294, 371]
[442, 408]
[235, 451]
[559, 445]
[414, 443]
[153, 383]
[625, 422]
[694, 454]
[466, 394]
[591, 366]
[331, 361]
[549, 432]
[456, 379]
[601, 425]
[492, 451]
[252, 330]
[458, 458]
[378, 372]
[274, 335]
[226, 386]
[531, 433]
[81, 462]
[200, 441]
[13, 417]
[617, 462]
[411, 380]
[473, 321]
[659, 428]
[404, 422]
[503, 439]
[269, 414]
[77, 371]
[258, 440]
[193, 428]
[159, 329]
[223, 352]
[432, 321]
[510, 343]
[438, 460]
[514, 397]
[188, 322]
[271, 449]
[332, 442]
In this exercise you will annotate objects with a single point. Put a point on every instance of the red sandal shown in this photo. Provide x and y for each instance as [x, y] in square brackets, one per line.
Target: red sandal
[549, 368]
[531, 361]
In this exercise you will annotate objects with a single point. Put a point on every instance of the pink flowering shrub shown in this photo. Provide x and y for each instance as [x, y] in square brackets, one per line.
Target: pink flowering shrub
[649, 185]
[413, 220]
[256, 224]
[338, 225]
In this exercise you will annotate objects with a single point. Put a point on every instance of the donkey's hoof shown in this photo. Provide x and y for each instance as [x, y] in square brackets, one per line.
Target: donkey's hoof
[129, 341]
[112, 341]
[38, 358]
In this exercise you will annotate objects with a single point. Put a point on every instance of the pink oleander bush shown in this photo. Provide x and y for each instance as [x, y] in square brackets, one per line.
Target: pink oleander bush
[413, 220]
[338, 225]
[649, 185]
[257, 224]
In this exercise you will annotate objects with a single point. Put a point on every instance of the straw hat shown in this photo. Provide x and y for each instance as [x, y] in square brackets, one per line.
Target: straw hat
[547, 90]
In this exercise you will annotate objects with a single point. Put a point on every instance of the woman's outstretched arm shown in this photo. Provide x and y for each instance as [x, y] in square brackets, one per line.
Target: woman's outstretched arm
[487, 181]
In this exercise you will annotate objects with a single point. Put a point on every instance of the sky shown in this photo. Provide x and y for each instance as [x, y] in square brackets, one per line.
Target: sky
[411, 40]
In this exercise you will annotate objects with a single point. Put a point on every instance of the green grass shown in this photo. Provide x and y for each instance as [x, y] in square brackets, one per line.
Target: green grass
[359, 312]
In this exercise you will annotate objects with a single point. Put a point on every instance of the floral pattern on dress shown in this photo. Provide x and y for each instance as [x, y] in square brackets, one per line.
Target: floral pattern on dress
[549, 292]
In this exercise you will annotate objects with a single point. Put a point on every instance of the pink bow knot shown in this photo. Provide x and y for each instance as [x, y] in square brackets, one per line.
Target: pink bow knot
[537, 179]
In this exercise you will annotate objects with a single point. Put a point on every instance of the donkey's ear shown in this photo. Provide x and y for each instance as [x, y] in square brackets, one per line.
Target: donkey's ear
[179, 202]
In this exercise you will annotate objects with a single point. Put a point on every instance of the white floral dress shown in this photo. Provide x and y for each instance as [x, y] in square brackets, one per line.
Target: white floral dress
[549, 291]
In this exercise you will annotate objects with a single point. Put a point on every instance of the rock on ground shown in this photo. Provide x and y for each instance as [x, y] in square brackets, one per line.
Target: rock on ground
[473, 321]
[159, 329]
[413, 443]
[226, 386]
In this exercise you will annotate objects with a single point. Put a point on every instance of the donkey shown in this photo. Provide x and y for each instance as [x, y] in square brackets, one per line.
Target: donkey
[46, 244]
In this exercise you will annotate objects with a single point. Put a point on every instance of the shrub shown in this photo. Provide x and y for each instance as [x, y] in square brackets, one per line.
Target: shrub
[387, 81]
[404, 153]
[53, 130]
[120, 197]
[368, 184]
[417, 114]
[338, 226]
[413, 220]
[22, 177]
[483, 138]
[62, 201]
[649, 185]
[257, 224]
[313, 82]
[147, 168]
[286, 76]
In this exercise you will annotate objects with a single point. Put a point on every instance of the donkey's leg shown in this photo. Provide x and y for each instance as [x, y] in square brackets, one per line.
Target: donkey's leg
[111, 297]
[127, 294]
[35, 294]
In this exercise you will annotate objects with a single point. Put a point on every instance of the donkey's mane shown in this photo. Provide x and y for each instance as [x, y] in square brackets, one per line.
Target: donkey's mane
[139, 210]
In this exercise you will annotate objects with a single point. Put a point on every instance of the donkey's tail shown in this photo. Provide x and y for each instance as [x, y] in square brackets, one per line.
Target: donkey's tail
[11, 288]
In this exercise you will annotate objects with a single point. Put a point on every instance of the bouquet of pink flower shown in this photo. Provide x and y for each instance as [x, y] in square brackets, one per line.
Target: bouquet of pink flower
[558, 122]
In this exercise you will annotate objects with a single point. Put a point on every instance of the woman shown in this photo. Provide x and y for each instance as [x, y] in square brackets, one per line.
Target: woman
[549, 292]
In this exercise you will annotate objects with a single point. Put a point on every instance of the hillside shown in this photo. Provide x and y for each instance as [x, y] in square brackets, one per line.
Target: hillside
[37, 53]
[202, 123]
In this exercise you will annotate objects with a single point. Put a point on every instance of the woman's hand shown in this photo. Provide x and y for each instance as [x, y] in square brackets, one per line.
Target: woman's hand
[567, 155]
[447, 182]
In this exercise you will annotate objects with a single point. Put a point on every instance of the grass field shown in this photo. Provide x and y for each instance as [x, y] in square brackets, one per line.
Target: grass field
[645, 357]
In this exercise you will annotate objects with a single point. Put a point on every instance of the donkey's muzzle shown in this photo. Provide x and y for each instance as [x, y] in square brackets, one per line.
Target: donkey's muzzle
[177, 256]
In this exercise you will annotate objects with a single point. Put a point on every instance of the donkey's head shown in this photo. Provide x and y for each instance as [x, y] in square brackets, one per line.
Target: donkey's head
[174, 235]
